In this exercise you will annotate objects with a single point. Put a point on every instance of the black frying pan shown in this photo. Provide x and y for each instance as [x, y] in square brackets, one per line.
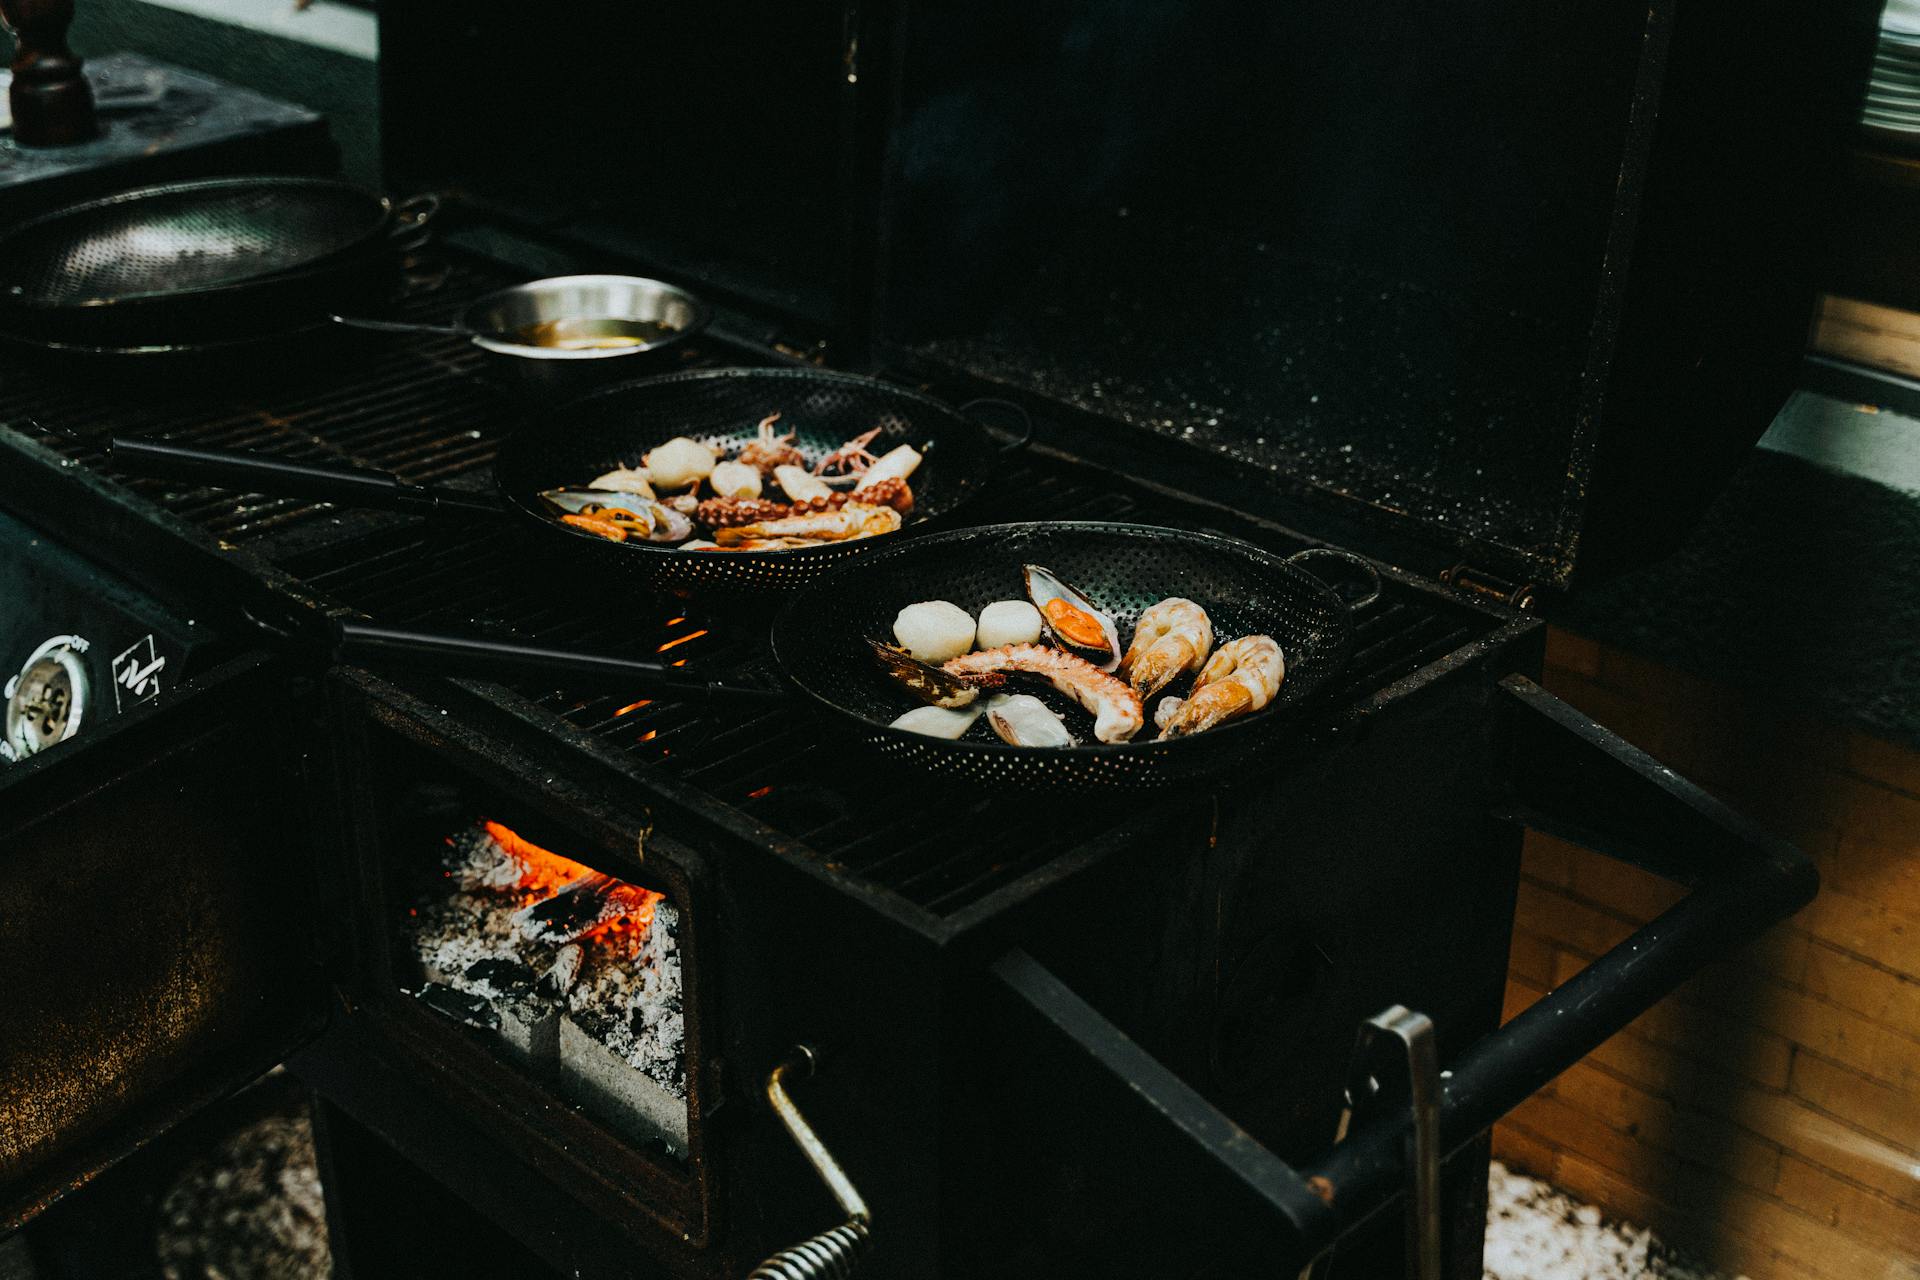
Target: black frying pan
[215, 261]
[821, 645]
[569, 444]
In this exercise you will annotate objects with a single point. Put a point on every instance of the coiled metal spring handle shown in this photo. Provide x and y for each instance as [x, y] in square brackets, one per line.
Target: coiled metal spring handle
[833, 1254]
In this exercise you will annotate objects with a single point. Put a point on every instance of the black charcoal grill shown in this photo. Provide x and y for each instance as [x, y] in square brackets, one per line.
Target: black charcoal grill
[1048, 1035]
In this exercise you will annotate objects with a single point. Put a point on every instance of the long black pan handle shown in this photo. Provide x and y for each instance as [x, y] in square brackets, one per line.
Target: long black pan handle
[282, 477]
[483, 657]
[1581, 782]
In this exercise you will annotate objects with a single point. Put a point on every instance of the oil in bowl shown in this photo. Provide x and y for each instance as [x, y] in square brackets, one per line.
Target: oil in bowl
[571, 333]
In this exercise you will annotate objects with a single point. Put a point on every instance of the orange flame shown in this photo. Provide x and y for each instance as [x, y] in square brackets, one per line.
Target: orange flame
[678, 640]
[544, 873]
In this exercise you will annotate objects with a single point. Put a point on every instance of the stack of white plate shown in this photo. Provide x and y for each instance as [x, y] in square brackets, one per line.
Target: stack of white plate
[1892, 109]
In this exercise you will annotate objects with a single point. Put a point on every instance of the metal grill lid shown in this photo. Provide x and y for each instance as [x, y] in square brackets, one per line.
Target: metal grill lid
[1517, 283]
[1520, 284]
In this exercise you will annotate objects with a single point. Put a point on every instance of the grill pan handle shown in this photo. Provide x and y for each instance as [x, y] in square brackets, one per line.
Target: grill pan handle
[483, 656]
[1021, 438]
[282, 477]
[1360, 564]
[413, 220]
[1580, 782]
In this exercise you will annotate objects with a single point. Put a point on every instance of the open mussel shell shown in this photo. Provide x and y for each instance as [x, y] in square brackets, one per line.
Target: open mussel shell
[1075, 622]
[663, 523]
[1022, 720]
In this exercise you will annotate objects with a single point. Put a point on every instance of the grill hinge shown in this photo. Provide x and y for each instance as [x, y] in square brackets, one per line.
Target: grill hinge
[1489, 586]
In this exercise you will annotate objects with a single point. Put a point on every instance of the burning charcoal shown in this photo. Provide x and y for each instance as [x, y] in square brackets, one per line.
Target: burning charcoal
[602, 1079]
[461, 1006]
[557, 981]
[476, 860]
[580, 908]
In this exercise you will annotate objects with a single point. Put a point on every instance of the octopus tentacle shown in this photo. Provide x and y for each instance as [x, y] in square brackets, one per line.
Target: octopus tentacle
[1117, 710]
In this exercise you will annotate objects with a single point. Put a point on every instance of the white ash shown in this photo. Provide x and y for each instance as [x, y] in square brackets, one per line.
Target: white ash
[251, 1209]
[1537, 1233]
[633, 1006]
[653, 1030]
[475, 860]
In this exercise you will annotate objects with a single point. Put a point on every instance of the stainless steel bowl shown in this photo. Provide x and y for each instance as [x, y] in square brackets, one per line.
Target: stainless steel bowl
[574, 331]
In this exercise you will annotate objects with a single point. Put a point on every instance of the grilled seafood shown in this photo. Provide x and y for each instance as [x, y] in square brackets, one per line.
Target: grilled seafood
[897, 464]
[851, 458]
[625, 480]
[851, 521]
[1116, 708]
[618, 516]
[850, 494]
[770, 452]
[680, 463]
[1074, 621]
[934, 630]
[1166, 710]
[756, 544]
[1242, 676]
[1022, 720]
[722, 513]
[1008, 622]
[1171, 638]
[735, 480]
[934, 685]
[801, 485]
[938, 722]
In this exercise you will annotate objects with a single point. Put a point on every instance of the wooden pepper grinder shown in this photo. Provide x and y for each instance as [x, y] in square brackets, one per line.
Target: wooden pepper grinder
[52, 104]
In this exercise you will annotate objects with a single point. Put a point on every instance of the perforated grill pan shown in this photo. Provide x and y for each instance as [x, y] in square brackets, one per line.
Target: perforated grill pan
[571, 444]
[185, 238]
[820, 639]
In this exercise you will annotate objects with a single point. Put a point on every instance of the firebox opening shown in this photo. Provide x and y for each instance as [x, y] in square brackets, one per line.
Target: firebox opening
[570, 974]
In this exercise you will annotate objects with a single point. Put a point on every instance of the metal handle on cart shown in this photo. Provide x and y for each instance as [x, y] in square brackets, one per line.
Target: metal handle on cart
[834, 1253]
[1414, 1032]
[1578, 781]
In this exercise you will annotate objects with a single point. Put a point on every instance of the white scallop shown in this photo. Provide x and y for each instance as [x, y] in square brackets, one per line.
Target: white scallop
[679, 462]
[1008, 622]
[934, 630]
[735, 480]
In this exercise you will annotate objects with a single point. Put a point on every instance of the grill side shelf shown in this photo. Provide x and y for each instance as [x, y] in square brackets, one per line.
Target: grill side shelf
[1571, 778]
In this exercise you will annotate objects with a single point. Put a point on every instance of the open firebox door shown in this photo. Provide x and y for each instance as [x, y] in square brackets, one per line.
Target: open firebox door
[1101, 1120]
[157, 912]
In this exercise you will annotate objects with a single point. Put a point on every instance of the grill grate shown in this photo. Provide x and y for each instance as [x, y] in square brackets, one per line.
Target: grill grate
[776, 765]
[415, 407]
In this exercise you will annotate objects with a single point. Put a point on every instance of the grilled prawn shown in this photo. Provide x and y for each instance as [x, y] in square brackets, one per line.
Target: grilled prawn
[1172, 637]
[1242, 676]
[1117, 710]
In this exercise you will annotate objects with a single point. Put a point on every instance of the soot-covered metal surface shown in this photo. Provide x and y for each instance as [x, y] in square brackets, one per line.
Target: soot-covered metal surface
[1376, 389]
[419, 408]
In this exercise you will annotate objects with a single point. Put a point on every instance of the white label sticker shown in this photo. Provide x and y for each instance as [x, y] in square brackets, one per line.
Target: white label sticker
[136, 674]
